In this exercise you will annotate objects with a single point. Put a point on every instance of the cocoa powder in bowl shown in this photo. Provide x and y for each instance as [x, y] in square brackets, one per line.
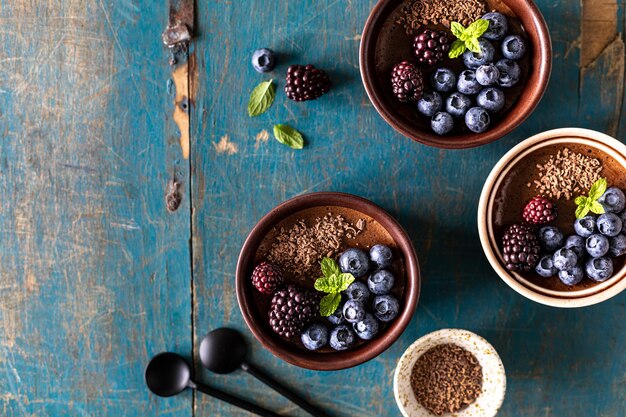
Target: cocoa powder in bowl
[446, 379]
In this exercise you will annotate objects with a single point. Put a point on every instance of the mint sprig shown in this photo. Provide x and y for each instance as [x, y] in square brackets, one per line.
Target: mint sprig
[467, 38]
[332, 283]
[590, 203]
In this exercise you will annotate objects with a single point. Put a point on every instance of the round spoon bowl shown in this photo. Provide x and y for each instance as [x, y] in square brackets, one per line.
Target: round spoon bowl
[167, 374]
[223, 350]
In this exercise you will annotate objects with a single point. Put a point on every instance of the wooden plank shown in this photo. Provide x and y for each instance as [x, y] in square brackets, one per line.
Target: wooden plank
[556, 359]
[94, 273]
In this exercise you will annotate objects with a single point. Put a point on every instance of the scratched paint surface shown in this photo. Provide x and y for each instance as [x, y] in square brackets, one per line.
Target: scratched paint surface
[95, 274]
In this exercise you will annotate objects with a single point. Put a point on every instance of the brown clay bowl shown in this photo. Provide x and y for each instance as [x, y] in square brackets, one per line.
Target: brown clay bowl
[376, 61]
[257, 320]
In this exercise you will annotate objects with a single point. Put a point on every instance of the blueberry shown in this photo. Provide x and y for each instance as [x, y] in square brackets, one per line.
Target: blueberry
[609, 224]
[442, 123]
[586, 226]
[353, 311]
[487, 74]
[498, 26]
[491, 99]
[513, 47]
[545, 267]
[577, 245]
[263, 60]
[572, 276]
[354, 261]
[597, 245]
[477, 119]
[337, 316]
[430, 103]
[623, 217]
[315, 336]
[550, 238]
[385, 307]
[342, 337]
[473, 60]
[358, 291]
[510, 73]
[613, 200]
[467, 83]
[617, 245]
[380, 282]
[367, 328]
[381, 256]
[443, 80]
[458, 104]
[599, 269]
[564, 259]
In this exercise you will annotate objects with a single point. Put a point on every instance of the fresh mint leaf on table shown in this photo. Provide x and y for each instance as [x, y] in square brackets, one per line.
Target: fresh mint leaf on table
[333, 283]
[590, 204]
[467, 38]
[289, 136]
[261, 98]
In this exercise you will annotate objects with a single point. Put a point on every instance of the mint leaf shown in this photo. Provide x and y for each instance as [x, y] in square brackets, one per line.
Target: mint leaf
[261, 98]
[473, 45]
[597, 189]
[457, 29]
[345, 281]
[581, 200]
[581, 211]
[596, 207]
[476, 29]
[324, 285]
[289, 136]
[329, 304]
[457, 49]
[330, 267]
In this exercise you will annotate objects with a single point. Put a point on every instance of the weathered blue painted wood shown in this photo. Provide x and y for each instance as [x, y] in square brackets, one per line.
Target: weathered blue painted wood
[558, 362]
[94, 273]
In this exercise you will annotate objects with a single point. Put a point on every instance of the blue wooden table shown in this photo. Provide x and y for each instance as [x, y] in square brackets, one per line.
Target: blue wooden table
[96, 275]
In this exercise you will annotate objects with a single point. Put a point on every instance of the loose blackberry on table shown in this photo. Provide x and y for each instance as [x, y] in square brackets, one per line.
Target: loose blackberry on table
[305, 82]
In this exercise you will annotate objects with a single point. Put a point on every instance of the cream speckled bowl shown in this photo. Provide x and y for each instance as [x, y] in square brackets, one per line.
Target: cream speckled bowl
[494, 377]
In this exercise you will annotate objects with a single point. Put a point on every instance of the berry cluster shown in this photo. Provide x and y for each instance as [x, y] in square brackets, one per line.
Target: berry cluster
[368, 303]
[589, 251]
[472, 95]
[476, 93]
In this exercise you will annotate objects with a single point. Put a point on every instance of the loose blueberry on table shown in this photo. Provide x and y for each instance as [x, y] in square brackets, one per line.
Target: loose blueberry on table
[472, 98]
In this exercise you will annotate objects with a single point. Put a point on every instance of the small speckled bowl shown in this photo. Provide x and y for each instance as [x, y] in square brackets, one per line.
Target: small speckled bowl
[494, 377]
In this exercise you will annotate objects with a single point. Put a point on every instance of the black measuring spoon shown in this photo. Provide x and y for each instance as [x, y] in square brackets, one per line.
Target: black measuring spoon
[224, 351]
[169, 374]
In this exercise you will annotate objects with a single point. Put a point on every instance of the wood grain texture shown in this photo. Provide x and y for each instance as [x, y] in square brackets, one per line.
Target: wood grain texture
[96, 276]
[94, 273]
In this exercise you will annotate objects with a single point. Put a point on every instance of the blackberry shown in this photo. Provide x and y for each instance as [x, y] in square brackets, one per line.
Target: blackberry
[407, 82]
[292, 308]
[430, 46]
[267, 277]
[520, 247]
[539, 210]
[305, 82]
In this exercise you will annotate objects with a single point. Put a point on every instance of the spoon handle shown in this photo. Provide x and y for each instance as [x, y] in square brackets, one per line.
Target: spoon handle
[236, 401]
[269, 381]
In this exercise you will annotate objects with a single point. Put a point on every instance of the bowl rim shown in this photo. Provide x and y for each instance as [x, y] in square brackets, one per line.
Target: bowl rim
[572, 299]
[344, 359]
[494, 381]
[525, 104]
